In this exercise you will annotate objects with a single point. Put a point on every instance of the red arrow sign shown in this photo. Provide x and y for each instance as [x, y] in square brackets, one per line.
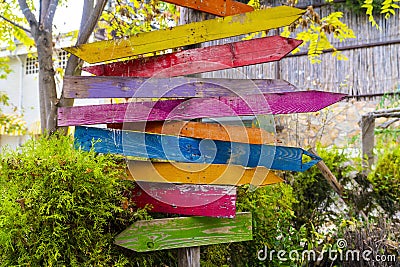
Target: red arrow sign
[187, 199]
[200, 60]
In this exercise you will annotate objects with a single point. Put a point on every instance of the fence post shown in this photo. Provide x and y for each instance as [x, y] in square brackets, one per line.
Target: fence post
[367, 141]
[189, 257]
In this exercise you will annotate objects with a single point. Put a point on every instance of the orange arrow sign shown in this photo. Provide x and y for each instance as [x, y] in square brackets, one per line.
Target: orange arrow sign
[216, 7]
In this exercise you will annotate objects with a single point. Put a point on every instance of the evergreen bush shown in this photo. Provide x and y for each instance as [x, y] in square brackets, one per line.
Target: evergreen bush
[60, 206]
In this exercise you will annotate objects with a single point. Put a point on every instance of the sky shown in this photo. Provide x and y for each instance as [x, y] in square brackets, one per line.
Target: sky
[67, 17]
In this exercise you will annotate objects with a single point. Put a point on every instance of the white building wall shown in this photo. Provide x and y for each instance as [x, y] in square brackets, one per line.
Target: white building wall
[22, 90]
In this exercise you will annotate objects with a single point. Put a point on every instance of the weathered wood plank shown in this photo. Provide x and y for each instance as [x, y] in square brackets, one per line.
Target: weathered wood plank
[198, 60]
[187, 34]
[194, 173]
[202, 130]
[126, 87]
[328, 175]
[192, 150]
[183, 109]
[220, 8]
[186, 199]
[183, 232]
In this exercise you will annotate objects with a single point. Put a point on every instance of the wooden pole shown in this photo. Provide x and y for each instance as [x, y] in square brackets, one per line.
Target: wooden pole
[190, 257]
[367, 141]
[367, 134]
[333, 182]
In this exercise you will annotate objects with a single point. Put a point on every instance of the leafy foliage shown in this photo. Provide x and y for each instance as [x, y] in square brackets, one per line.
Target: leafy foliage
[368, 5]
[386, 180]
[10, 12]
[11, 124]
[313, 193]
[132, 17]
[389, 7]
[271, 207]
[315, 30]
[4, 67]
[62, 207]
[373, 8]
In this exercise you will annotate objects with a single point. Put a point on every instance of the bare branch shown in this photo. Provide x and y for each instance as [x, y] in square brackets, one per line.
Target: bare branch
[388, 123]
[28, 14]
[15, 24]
[43, 7]
[385, 111]
[89, 21]
[87, 9]
[51, 10]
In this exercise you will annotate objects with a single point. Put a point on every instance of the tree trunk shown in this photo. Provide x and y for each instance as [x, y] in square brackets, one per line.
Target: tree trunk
[47, 84]
[42, 33]
[367, 142]
[43, 36]
[189, 257]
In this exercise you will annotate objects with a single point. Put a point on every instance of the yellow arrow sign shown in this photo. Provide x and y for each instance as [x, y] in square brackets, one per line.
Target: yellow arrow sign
[187, 34]
[192, 173]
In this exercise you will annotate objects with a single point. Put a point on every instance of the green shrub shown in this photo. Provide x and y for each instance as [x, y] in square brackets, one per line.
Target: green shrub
[386, 180]
[62, 207]
[271, 208]
[312, 191]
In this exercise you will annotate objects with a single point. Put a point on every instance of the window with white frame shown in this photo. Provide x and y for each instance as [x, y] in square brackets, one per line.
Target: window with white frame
[61, 60]
[31, 65]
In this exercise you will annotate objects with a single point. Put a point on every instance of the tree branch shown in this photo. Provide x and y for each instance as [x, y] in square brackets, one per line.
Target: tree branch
[87, 30]
[51, 10]
[90, 16]
[87, 9]
[74, 64]
[28, 14]
[15, 24]
[43, 7]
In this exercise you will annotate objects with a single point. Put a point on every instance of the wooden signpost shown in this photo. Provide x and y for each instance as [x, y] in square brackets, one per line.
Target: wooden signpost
[183, 232]
[183, 109]
[198, 60]
[192, 150]
[195, 173]
[202, 162]
[216, 7]
[186, 199]
[187, 34]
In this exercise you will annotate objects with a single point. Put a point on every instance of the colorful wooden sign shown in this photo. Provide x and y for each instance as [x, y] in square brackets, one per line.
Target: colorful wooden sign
[187, 34]
[192, 150]
[198, 60]
[183, 232]
[212, 131]
[186, 199]
[126, 87]
[187, 109]
[216, 7]
[201, 130]
[193, 173]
